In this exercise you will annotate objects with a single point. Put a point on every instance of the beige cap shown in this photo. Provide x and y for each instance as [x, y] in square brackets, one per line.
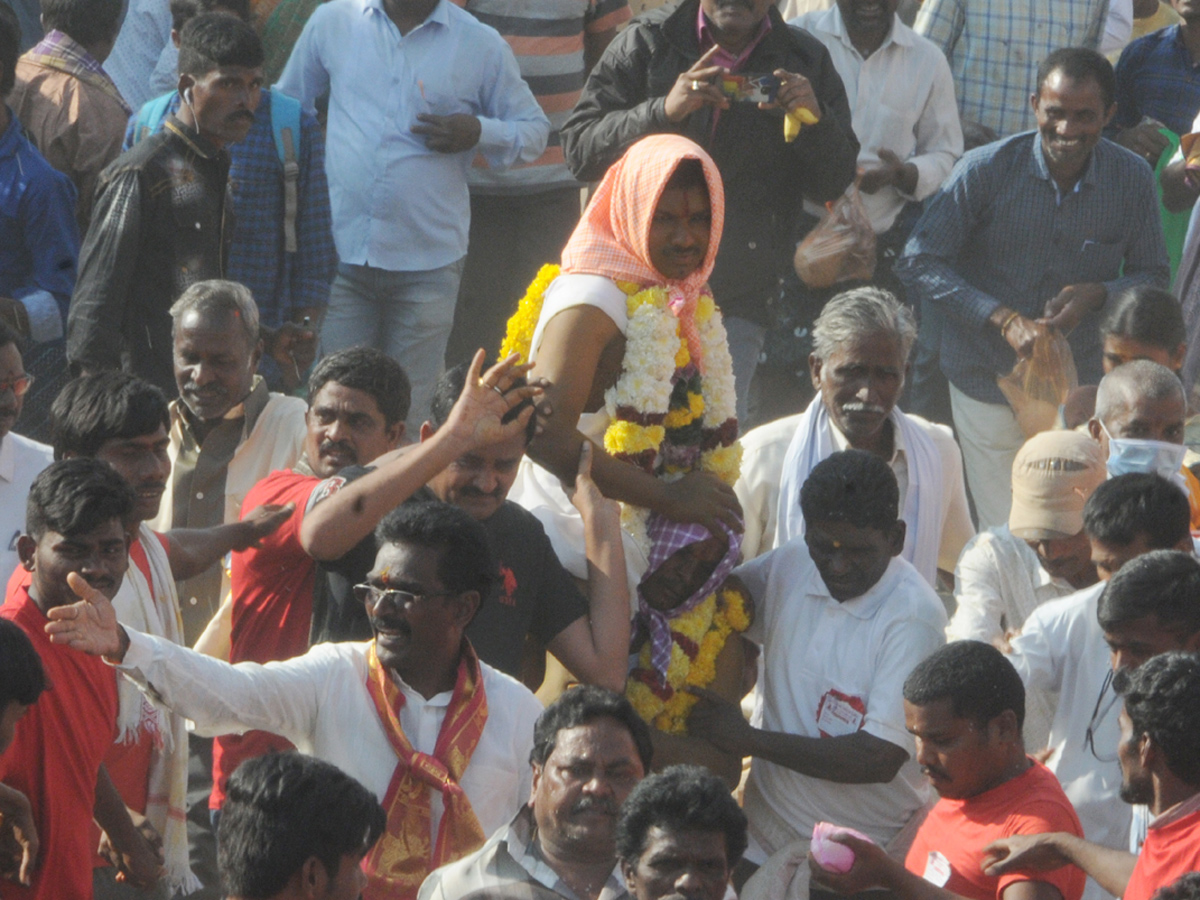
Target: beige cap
[1052, 477]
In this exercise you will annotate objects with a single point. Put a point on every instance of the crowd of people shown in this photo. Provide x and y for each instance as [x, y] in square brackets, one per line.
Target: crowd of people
[481, 449]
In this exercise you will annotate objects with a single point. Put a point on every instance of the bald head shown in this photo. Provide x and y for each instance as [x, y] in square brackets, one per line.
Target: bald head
[1135, 381]
[1140, 400]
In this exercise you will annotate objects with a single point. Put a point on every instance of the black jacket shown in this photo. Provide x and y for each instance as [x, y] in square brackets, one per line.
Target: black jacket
[161, 222]
[765, 178]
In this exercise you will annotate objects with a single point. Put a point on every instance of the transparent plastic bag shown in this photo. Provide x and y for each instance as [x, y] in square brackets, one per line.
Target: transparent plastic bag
[1039, 385]
[841, 247]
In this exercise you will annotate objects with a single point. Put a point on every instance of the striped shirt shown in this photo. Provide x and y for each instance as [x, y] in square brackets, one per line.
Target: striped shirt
[994, 48]
[548, 40]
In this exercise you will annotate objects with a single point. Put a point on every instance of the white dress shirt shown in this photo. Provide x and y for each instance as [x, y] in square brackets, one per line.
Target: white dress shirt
[396, 204]
[819, 653]
[901, 99]
[319, 702]
[1061, 648]
[765, 447]
[20, 461]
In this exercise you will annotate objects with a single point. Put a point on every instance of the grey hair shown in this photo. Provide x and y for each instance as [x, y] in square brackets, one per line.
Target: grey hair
[859, 313]
[1135, 379]
[218, 297]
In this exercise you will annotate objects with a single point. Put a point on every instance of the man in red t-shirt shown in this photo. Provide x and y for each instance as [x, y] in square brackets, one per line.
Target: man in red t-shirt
[965, 705]
[123, 420]
[75, 529]
[358, 401]
[1159, 754]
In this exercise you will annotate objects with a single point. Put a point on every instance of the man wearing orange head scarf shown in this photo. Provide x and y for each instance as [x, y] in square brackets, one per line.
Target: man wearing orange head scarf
[673, 70]
[634, 350]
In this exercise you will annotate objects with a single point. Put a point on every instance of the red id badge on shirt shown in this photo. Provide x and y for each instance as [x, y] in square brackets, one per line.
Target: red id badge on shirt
[839, 714]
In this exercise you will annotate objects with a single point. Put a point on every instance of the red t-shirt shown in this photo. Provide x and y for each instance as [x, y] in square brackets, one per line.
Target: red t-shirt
[272, 607]
[128, 763]
[1171, 849]
[56, 756]
[948, 849]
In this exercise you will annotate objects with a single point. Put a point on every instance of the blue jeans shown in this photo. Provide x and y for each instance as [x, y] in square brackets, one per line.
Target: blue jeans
[407, 315]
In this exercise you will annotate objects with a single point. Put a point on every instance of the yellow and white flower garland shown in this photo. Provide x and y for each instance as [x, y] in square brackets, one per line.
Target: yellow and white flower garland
[643, 417]
[703, 631]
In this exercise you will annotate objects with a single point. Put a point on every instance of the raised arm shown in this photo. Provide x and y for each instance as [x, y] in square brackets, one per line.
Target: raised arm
[595, 649]
[334, 526]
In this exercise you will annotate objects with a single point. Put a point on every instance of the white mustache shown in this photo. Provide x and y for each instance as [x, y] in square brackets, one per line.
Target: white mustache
[855, 406]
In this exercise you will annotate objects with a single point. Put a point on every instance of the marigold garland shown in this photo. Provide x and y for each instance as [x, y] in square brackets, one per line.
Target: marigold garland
[665, 416]
[697, 638]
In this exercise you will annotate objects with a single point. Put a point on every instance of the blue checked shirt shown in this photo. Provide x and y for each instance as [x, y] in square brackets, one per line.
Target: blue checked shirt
[998, 233]
[1156, 78]
[994, 46]
[280, 282]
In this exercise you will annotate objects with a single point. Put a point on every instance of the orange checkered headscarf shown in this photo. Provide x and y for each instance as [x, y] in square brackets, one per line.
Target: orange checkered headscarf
[613, 237]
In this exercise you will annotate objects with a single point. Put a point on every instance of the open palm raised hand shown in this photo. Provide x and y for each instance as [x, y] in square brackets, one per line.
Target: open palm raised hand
[478, 416]
[90, 625]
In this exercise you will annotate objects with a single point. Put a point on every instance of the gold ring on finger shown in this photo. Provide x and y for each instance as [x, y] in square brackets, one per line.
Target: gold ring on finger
[695, 85]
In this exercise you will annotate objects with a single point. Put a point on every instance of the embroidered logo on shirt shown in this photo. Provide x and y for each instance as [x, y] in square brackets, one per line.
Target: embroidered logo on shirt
[508, 597]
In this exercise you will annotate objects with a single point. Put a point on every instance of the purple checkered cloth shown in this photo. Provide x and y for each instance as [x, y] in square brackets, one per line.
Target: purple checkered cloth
[60, 51]
[667, 537]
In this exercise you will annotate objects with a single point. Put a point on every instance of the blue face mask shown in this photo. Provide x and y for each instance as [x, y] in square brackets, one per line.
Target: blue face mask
[1126, 455]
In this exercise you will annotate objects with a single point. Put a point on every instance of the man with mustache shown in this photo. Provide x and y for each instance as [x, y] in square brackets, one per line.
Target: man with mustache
[75, 540]
[1028, 236]
[284, 248]
[20, 458]
[662, 74]
[590, 750]
[162, 219]
[1160, 725]
[279, 603]
[122, 420]
[227, 433]
[413, 714]
[1138, 528]
[536, 596]
[965, 706]
[859, 364]
[842, 619]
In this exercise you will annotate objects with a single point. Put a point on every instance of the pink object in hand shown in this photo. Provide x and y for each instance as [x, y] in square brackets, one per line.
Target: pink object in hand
[829, 853]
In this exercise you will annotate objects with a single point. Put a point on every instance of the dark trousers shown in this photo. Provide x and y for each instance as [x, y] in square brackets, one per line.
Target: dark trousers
[512, 236]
